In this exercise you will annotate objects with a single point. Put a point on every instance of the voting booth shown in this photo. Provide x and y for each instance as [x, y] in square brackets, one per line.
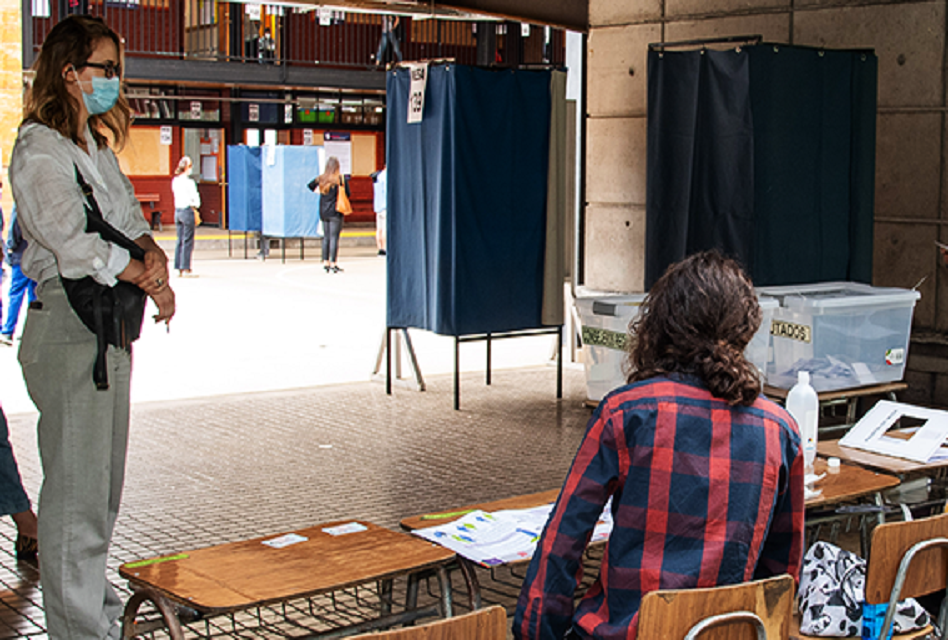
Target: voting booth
[244, 188]
[290, 209]
[476, 200]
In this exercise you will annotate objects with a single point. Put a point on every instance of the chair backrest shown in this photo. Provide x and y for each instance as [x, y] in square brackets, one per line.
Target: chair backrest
[489, 623]
[670, 614]
[890, 541]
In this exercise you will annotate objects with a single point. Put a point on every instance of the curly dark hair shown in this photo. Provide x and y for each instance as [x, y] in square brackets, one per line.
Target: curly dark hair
[697, 319]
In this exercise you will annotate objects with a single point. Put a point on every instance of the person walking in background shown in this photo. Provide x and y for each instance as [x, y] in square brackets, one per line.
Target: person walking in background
[389, 38]
[19, 283]
[186, 203]
[74, 101]
[380, 204]
[690, 424]
[328, 184]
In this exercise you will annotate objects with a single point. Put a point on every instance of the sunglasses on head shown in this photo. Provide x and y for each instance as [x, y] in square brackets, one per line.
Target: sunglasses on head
[111, 70]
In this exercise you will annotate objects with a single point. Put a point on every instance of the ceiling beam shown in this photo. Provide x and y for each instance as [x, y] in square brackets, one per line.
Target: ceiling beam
[567, 14]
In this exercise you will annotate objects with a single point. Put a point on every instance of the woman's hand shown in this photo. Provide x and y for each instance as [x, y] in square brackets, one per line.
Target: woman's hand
[164, 300]
[154, 278]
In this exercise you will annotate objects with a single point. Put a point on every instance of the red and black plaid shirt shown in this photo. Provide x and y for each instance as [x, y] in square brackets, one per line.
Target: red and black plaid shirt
[704, 494]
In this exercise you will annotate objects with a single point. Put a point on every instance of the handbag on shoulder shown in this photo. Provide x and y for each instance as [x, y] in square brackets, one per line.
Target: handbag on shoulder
[343, 205]
[114, 314]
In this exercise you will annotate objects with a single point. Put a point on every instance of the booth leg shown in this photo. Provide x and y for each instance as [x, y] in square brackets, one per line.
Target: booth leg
[457, 373]
[487, 375]
[559, 362]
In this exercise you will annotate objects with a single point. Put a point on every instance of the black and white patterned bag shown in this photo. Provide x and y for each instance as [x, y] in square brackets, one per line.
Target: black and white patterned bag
[832, 592]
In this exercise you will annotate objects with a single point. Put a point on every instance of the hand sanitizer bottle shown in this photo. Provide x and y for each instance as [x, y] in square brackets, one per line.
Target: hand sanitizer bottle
[804, 405]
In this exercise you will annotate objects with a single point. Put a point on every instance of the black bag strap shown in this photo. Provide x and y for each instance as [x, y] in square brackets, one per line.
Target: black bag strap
[96, 223]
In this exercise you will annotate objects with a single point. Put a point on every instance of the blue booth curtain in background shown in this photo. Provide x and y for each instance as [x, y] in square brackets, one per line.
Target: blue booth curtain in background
[766, 153]
[467, 191]
[244, 189]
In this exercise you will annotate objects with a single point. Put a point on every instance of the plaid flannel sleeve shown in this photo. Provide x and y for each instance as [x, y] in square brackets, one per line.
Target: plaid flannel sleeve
[545, 607]
[783, 549]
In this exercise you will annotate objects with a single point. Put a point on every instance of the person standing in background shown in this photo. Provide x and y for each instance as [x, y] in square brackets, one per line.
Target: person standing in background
[389, 38]
[13, 499]
[19, 283]
[380, 204]
[328, 184]
[186, 202]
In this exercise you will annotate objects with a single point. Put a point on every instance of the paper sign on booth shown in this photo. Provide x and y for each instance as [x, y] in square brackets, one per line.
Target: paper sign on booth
[416, 93]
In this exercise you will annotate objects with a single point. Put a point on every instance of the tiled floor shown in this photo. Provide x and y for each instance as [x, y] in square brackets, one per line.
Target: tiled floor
[207, 471]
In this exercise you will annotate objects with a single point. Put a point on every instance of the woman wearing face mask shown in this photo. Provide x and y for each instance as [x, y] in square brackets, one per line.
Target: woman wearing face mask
[75, 100]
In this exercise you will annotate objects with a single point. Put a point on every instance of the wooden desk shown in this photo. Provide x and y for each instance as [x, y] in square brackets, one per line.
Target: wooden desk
[849, 397]
[887, 464]
[233, 577]
[851, 482]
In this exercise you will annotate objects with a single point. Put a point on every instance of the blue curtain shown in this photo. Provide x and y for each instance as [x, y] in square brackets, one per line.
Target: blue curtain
[467, 200]
[766, 154]
[244, 190]
[290, 209]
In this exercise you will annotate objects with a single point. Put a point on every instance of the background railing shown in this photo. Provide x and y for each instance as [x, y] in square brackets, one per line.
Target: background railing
[230, 31]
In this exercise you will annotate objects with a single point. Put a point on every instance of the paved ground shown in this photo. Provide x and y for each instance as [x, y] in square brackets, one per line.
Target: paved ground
[255, 415]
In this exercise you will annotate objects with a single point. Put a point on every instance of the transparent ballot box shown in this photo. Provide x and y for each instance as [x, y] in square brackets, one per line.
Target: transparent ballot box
[846, 334]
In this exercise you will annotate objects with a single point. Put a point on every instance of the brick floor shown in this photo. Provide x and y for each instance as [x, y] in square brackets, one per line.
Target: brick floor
[208, 471]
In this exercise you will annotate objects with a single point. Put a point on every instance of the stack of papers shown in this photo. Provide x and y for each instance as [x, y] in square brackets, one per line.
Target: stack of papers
[500, 537]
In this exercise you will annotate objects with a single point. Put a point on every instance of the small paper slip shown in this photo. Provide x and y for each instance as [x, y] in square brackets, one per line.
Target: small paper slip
[285, 540]
[343, 529]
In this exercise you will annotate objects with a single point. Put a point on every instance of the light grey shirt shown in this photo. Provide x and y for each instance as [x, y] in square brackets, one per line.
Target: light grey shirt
[51, 206]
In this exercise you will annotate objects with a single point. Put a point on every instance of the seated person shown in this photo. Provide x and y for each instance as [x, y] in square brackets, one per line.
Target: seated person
[705, 476]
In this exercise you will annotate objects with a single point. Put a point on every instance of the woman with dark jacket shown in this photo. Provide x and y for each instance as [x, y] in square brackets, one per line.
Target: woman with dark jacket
[328, 184]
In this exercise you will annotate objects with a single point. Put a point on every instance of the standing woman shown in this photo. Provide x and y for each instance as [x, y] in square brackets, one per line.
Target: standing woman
[186, 201]
[74, 108]
[329, 183]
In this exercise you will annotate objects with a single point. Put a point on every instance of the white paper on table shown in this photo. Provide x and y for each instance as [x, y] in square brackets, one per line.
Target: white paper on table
[343, 529]
[285, 540]
[501, 537]
[869, 434]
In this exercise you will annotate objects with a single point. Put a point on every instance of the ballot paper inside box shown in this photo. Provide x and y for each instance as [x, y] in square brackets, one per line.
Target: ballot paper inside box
[901, 430]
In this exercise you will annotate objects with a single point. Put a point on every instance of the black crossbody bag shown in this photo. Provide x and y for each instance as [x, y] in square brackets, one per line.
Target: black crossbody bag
[114, 314]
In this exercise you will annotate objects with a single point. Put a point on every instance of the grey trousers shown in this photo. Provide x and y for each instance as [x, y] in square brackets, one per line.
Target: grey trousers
[83, 435]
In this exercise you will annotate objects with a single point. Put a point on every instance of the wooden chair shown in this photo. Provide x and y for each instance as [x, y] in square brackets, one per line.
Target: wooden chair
[906, 560]
[760, 609]
[482, 624]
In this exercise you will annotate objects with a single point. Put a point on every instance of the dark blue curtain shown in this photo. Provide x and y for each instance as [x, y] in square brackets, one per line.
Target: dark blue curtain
[767, 154]
[244, 189]
[467, 200]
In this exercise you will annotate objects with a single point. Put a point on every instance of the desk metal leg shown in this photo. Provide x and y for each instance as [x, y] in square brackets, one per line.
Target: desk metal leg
[130, 629]
[488, 359]
[470, 578]
[447, 605]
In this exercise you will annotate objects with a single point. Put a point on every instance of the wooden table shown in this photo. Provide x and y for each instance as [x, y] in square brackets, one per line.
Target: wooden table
[899, 467]
[849, 483]
[849, 397]
[237, 576]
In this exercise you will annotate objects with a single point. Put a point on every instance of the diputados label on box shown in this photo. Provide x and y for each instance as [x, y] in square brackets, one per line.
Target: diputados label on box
[791, 330]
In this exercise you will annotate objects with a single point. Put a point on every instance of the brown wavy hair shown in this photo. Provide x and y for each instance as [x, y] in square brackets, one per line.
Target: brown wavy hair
[697, 319]
[330, 175]
[49, 102]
